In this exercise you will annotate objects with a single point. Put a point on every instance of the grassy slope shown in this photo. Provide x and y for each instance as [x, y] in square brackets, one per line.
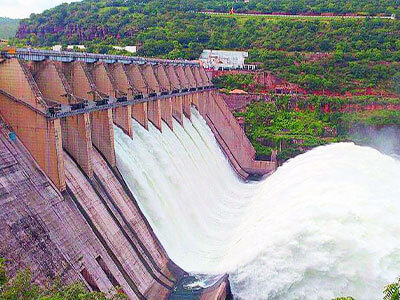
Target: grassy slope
[8, 27]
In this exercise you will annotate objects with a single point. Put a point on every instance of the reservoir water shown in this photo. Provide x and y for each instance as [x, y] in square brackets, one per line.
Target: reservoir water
[324, 225]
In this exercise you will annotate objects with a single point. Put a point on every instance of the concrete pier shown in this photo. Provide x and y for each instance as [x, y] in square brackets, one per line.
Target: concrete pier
[151, 79]
[173, 78]
[123, 81]
[154, 113]
[102, 79]
[190, 77]
[139, 82]
[80, 80]
[198, 78]
[195, 100]
[163, 79]
[204, 76]
[77, 140]
[122, 118]
[42, 137]
[52, 82]
[166, 112]
[186, 106]
[103, 134]
[83, 85]
[139, 113]
[123, 86]
[184, 81]
[106, 84]
[177, 109]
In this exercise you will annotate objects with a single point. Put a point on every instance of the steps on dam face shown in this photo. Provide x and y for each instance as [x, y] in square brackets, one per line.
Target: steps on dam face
[134, 267]
[26, 203]
[41, 230]
[128, 210]
[131, 222]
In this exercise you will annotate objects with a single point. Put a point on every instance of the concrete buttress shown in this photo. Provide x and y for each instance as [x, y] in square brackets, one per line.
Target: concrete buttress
[184, 81]
[107, 84]
[189, 75]
[51, 81]
[77, 140]
[166, 112]
[139, 113]
[103, 134]
[163, 79]
[154, 112]
[173, 78]
[23, 108]
[135, 74]
[83, 85]
[177, 108]
[151, 79]
[186, 105]
[198, 78]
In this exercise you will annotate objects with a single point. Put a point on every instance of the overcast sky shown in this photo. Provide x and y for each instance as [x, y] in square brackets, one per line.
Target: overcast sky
[23, 8]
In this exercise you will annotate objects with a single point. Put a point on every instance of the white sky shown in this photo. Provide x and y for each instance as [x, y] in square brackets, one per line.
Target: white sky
[23, 8]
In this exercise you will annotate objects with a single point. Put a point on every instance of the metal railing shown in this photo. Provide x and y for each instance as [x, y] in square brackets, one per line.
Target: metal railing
[65, 56]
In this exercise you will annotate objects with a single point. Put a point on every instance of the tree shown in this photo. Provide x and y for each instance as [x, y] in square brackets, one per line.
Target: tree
[396, 83]
[392, 291]
[22, 288]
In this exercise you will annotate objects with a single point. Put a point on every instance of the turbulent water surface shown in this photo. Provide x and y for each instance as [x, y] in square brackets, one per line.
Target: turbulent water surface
[326, 224]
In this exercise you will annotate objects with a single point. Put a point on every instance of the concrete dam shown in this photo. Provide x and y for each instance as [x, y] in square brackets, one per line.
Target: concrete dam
[75, 133]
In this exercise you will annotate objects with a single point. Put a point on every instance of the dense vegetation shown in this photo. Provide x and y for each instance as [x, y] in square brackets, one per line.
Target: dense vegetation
[22, 288]
[335, 55]
[371, 7]
[8, 27]
[295, 126]
[234, 81]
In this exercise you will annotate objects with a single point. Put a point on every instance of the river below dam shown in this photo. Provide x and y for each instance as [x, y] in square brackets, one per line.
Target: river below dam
[324, 225]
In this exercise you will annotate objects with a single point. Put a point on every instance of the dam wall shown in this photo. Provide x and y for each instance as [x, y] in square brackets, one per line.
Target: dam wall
[64, 159]
[43, 229]
[231, 137]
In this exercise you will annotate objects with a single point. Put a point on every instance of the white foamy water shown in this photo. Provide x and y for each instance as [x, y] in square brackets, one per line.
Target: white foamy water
[326, 224]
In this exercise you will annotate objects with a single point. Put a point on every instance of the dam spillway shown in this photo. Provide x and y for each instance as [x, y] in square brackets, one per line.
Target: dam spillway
[184, 184]
[57, 114]
[88, 193]
[318, 228]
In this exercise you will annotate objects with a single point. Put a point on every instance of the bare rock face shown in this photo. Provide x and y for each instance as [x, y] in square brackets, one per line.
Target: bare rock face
[83, 33]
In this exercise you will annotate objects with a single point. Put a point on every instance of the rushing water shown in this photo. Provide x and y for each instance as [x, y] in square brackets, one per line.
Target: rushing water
[326, 224]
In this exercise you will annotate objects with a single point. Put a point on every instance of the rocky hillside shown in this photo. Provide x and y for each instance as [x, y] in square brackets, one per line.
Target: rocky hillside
[130, 20]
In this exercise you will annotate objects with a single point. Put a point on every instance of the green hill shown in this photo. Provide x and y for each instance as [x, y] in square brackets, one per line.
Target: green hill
[360, 53]
[8, 27]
